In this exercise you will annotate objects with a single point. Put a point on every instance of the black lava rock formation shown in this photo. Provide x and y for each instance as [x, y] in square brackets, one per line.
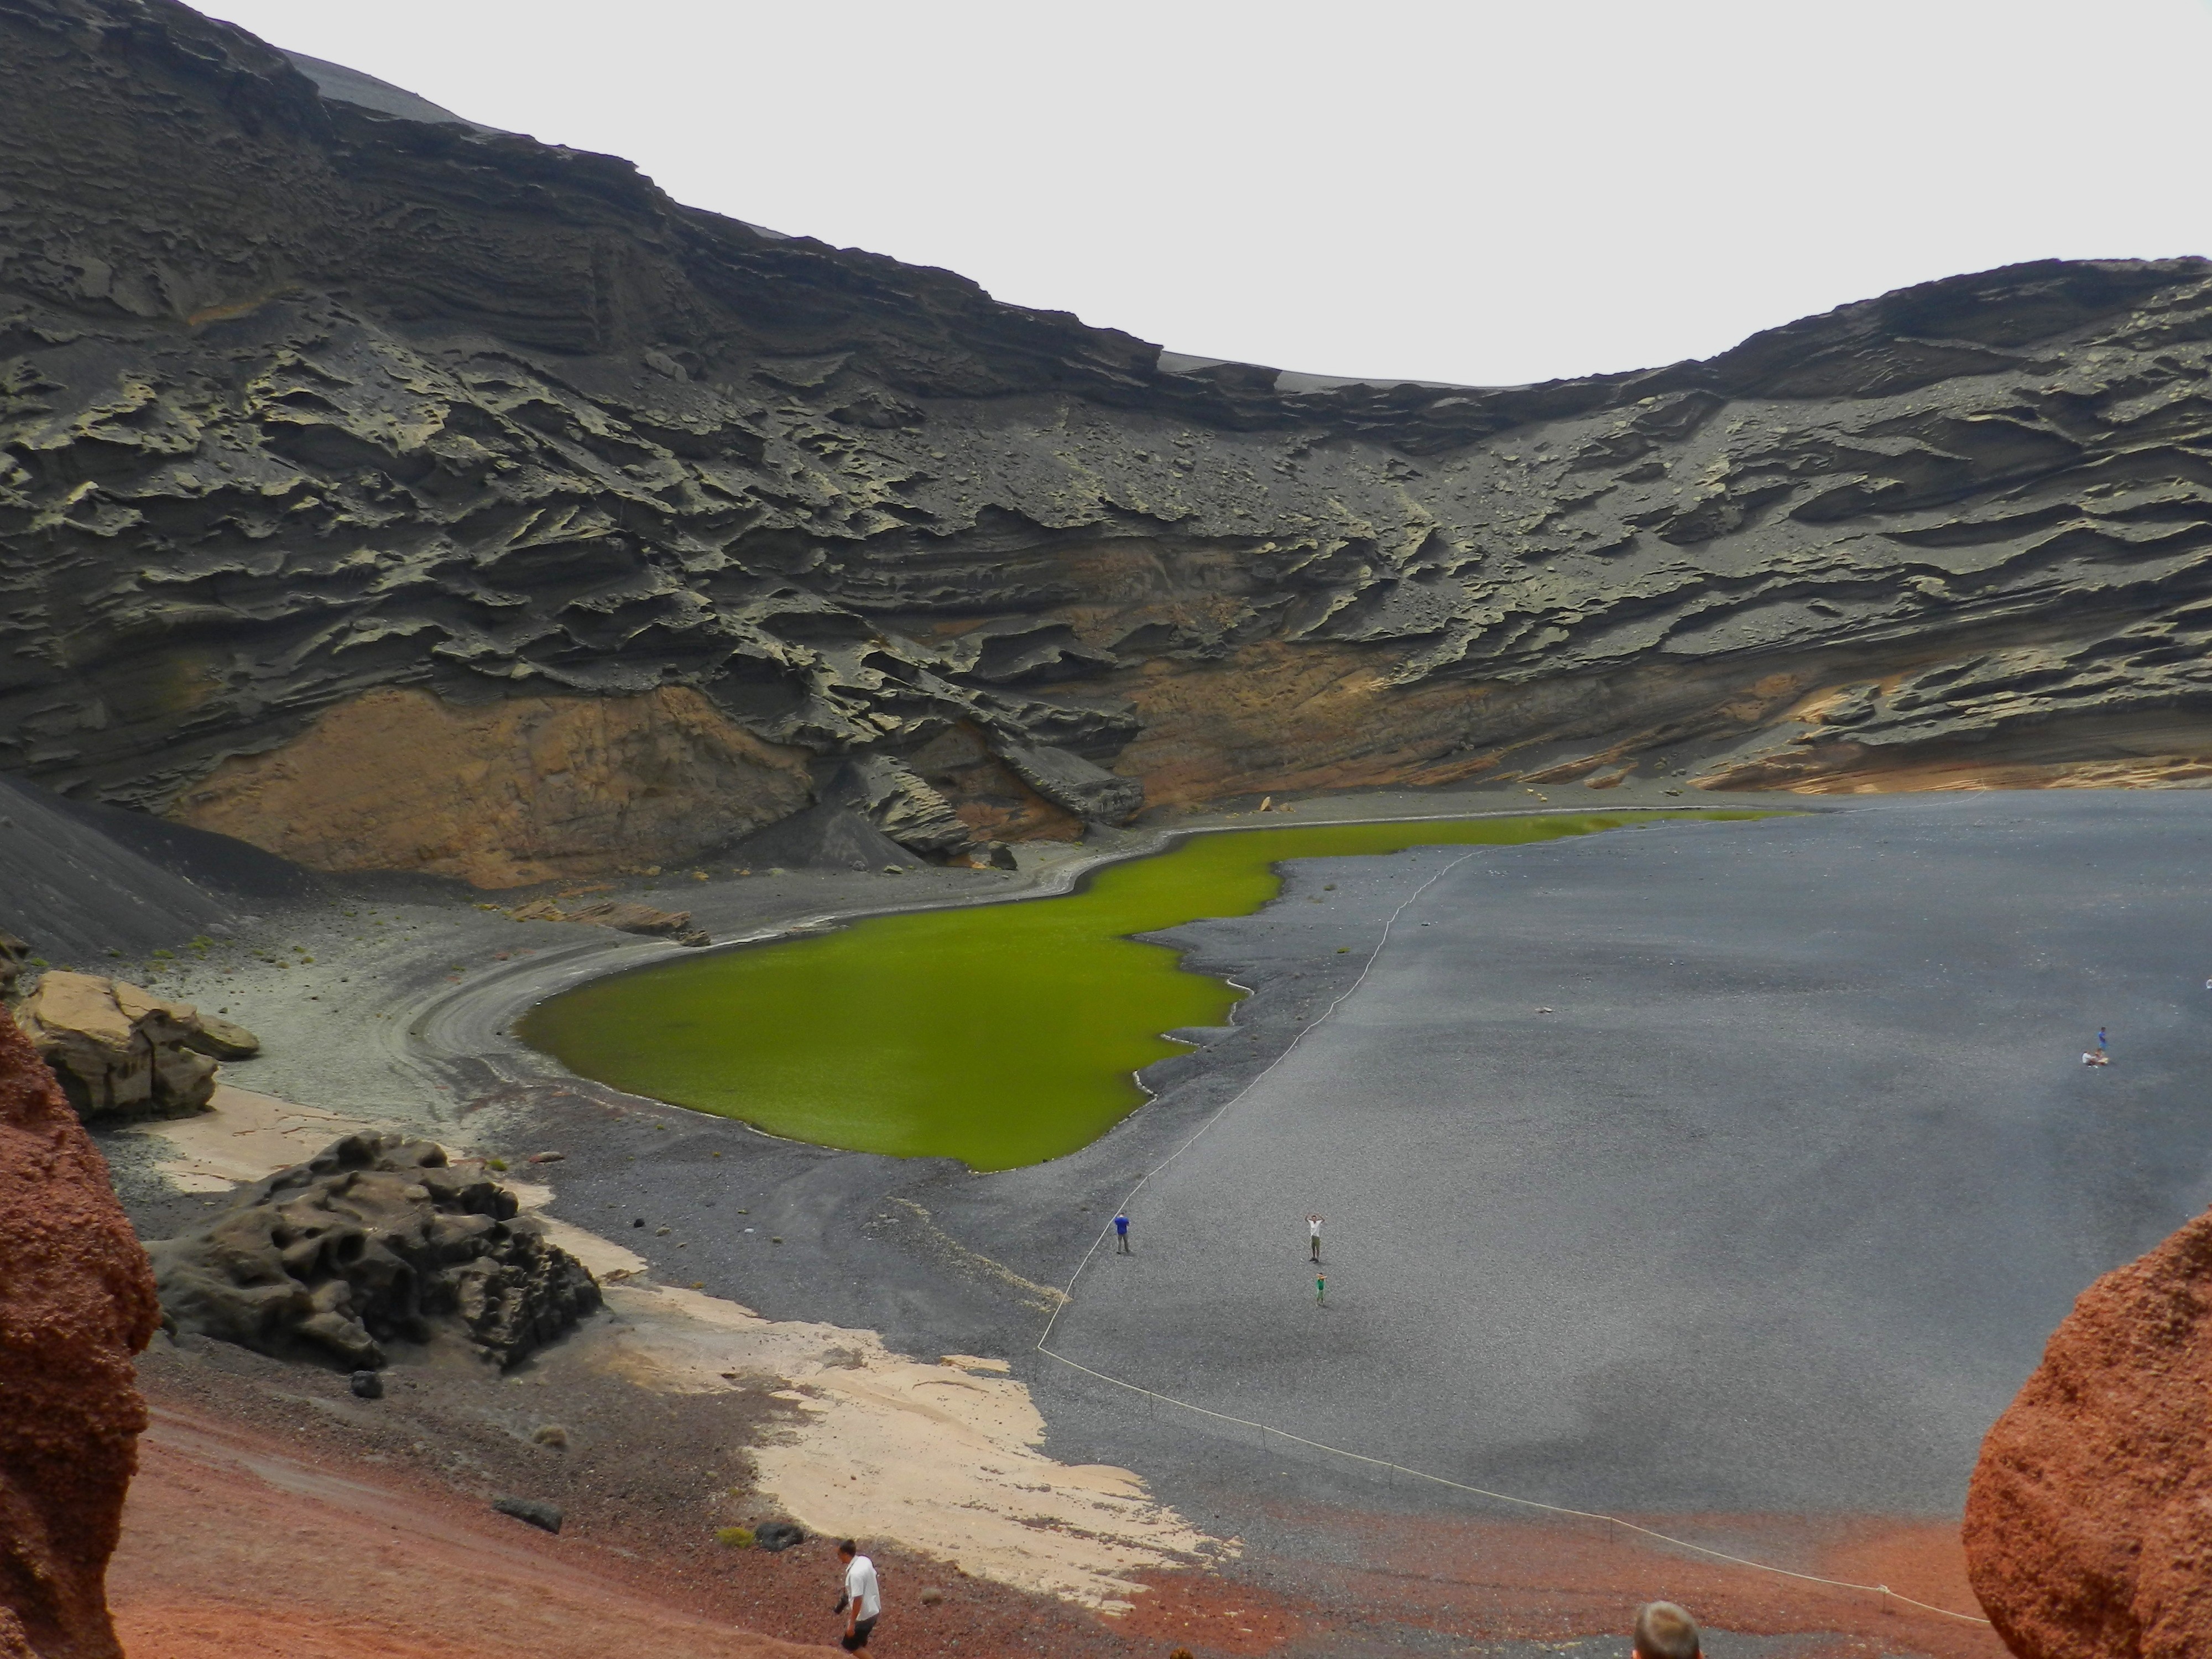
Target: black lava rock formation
[374, 1240]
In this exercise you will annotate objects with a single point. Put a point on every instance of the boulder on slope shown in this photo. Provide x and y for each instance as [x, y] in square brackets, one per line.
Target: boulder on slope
[375, 1239]
[623, 915]
[119, 1051]
[2088, 1526]
[900, 803]
[76, 1302]
[1069, 780]
[827, 835]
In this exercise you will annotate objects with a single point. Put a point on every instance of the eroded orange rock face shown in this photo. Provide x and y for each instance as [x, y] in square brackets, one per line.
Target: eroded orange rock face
[2089, 1521]
[76, 1302]
[524, 790]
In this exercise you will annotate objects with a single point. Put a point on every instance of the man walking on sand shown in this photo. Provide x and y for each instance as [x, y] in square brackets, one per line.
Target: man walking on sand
[1313, 1226]
[861, 1603]
[1122, 1232]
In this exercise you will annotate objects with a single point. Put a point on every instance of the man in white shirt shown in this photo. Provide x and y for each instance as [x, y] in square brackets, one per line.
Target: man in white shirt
[862, 1601]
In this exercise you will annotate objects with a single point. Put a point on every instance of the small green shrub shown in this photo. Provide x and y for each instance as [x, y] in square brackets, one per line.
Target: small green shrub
[495, 1164]
[736, 1538]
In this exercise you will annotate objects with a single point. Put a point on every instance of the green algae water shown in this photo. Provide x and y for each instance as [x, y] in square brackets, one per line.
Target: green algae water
[998, 1034]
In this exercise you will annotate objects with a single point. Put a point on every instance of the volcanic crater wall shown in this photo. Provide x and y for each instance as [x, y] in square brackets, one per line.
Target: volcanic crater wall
[643, 523]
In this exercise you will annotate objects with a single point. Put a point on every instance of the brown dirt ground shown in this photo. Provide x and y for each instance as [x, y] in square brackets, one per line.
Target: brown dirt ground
[273, 1513]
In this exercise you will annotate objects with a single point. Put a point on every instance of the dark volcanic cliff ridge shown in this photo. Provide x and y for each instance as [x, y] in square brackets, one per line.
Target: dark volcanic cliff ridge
[403, 495]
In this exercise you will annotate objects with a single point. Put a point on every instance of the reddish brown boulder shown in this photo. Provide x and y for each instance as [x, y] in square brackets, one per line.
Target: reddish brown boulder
[77, 1301]
[2090, 1520]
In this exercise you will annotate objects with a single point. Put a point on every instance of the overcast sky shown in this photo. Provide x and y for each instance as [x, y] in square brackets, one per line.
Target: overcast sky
[1474, 191]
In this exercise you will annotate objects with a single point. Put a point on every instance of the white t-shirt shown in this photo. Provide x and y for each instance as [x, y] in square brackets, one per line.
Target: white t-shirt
[861, 1585]
[1313, 1224]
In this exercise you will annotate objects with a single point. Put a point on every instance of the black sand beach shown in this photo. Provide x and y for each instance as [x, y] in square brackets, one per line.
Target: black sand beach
[1703, 1168]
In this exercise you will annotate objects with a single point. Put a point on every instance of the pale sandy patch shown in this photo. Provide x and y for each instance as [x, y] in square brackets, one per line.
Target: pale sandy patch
[942, 1457]
[243, 1137]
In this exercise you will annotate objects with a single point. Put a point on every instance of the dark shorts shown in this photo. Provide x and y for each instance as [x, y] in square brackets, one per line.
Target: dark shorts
[859, 1639]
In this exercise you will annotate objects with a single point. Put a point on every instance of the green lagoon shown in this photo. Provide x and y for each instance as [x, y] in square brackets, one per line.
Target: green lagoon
[998, 1034]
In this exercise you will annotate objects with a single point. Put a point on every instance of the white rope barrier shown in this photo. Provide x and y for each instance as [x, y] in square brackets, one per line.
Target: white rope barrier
[1264, 1429]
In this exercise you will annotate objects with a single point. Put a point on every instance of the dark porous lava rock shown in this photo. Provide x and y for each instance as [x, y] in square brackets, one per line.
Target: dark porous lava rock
[77, 1301]
[375, 1239]
[2090, 1520]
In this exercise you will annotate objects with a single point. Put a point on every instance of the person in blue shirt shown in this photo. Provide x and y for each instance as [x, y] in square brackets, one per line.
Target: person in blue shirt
[1122, 1232]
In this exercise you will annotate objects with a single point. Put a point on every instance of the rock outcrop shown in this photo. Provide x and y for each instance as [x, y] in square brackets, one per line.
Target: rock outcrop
[76, 1302]
[120, 1052]
[2088, 1526]
[623, 915]
[333, 437]
[374, 1240]
[825, 836]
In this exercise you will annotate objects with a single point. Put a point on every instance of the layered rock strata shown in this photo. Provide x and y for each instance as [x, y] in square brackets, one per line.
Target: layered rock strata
[327, 431]
[375, 1240]
[76, 1302]
[120, 1052]
[2086, 1526]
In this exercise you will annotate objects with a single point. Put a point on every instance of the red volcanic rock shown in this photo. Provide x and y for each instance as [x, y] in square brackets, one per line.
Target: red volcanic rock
[77, 1301]
[2090, 1520]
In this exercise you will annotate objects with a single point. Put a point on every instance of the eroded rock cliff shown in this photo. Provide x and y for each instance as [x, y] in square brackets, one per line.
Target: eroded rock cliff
[323, 427]
[76, 1302]
[2085, 1521]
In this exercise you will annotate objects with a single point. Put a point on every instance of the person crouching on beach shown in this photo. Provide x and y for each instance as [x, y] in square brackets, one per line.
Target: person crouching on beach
[862, 1603]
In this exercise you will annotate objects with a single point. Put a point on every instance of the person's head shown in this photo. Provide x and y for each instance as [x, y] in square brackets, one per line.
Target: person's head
[848, 1550]
[1663, 1630]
